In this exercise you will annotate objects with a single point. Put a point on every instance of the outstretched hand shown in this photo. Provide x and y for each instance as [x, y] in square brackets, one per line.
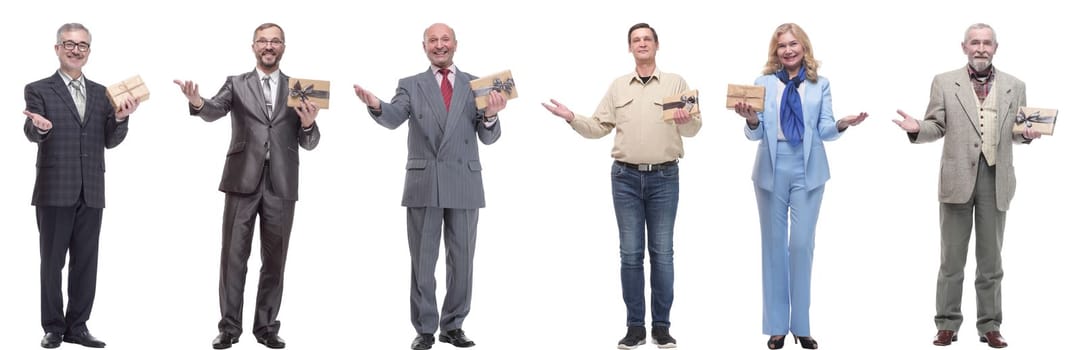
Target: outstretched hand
[907, 123]
[559, 110]
[191, 91]
[39, 122]
[851, 120]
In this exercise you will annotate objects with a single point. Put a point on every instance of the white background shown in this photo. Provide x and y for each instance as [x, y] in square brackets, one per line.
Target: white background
[547, 263]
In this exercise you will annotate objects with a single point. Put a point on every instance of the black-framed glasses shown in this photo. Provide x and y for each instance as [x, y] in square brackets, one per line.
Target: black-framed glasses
[264, 43]
[71, 45]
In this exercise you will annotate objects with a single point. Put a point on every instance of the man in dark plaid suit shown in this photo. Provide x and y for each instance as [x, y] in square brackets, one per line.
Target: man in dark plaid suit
[73, 122]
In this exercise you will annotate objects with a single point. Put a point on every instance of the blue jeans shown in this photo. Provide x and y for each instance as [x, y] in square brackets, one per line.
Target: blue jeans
[646, 201]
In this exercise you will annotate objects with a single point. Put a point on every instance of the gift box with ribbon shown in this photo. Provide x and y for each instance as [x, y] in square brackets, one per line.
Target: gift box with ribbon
[133, 88]
[749, 94]
[1041, 119]
[687, 100]
[501, 82]
[316, 91]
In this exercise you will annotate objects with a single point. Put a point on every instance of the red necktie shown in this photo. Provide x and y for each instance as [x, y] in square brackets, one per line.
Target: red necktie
[445, 87]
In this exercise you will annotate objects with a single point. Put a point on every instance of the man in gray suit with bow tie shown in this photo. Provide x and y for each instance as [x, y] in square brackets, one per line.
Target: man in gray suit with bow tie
[260, 178]
[972, 108]
[443, 189]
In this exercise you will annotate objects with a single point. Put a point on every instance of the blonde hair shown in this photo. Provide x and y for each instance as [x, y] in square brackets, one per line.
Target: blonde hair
[773, 64]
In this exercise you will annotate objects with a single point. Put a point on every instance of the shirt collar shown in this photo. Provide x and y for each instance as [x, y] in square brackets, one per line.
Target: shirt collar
[273, 76]
[972, 74]
[435, 70]
[635, 78]
[67, 79]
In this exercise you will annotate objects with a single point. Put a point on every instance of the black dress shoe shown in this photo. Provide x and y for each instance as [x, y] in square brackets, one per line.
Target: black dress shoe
[224, 341]
[272, 341]
[457, 338]
[423, 342]
[85, 339]
[51, 340]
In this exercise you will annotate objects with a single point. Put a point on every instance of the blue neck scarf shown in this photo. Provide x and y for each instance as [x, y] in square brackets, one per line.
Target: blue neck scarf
[791, 106]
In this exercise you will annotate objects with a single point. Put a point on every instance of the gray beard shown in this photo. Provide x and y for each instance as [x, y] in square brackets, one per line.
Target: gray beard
[981, 66]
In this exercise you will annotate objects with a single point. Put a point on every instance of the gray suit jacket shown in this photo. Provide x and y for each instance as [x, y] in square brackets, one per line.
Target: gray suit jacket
[254, 133]
[443, 166]
[953, 113]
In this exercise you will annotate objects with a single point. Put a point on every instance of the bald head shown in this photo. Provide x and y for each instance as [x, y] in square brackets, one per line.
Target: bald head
[440, 44]
[439, 27]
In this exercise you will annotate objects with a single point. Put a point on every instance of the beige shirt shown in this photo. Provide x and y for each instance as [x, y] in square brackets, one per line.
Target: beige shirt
[988, 119]
[633, 108]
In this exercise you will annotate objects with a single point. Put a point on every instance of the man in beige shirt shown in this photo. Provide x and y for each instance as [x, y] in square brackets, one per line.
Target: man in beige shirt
[645, 178]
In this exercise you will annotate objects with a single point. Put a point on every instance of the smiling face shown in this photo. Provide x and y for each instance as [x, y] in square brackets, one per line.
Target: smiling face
[440, 44]
[789, 52]
[980, 46]
[73, 60]
[643, 45]
[268, 46]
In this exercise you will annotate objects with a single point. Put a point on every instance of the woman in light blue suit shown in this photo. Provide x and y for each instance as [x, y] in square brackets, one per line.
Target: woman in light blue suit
[790, 172]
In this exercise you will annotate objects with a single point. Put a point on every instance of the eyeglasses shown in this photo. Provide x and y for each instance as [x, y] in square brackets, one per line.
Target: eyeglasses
[71, 45]
[264, 43]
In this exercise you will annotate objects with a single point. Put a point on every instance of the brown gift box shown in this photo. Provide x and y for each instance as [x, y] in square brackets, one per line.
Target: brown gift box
[131, 87]
[687, 100]
[316, 91]
[502, 82]
[749, 94]
[1041, 119]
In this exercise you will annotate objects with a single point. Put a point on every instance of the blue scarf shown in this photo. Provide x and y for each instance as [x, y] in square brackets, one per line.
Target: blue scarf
[791, 106]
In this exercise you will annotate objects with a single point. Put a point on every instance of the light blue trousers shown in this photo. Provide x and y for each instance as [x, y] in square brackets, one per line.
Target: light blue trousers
[787, 250]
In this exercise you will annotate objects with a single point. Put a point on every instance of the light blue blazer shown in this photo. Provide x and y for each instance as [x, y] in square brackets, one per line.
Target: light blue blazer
[818, 126]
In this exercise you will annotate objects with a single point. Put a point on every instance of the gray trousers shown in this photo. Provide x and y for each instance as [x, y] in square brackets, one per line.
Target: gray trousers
[459, 230]
[956, 223]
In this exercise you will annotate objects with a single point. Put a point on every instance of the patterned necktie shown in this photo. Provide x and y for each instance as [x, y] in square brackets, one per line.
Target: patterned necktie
[445, 87]
[80, 98]
[267, 97]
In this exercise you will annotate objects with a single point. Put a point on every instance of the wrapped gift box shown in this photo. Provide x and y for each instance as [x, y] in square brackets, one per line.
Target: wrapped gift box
[131, 87]
[687, 100]
[502, 82]
[749, 94]
[316, 91]
[1041, 119]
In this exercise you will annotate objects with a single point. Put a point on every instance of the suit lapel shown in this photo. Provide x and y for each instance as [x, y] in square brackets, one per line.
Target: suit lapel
[457, 105]
[1004, 96]
[280, 107]
[253, 82]
[65, 95]
[966, 97]
[770, 126]
[812, 97]
[429, 92]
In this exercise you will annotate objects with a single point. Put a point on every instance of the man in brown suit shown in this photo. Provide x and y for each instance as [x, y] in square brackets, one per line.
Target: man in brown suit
[971, 108]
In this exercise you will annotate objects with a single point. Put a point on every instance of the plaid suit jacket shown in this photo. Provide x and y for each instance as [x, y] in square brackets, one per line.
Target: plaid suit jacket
[71, 156]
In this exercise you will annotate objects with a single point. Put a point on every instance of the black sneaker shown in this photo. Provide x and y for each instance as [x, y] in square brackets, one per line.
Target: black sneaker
[662, 338]
[636, 335]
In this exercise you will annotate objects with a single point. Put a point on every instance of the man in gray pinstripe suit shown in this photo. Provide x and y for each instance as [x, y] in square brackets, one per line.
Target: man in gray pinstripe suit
[443, 189]
[72, 121]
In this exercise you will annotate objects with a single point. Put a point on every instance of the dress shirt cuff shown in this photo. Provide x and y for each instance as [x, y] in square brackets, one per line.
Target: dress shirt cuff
[489, 121]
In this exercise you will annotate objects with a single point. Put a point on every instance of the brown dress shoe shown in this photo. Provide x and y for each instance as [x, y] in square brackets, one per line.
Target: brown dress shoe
[945, 337]
[994, 339]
